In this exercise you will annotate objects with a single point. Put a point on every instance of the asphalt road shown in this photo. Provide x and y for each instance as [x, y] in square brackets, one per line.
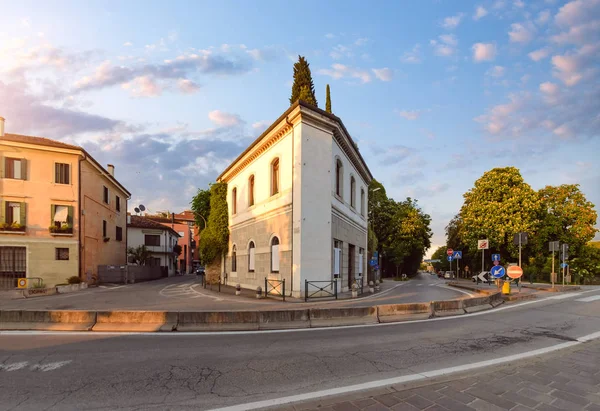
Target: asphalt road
[185, 293]
[190, 371]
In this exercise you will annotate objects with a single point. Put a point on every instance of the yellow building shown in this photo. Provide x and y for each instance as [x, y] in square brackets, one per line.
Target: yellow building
[61, 213]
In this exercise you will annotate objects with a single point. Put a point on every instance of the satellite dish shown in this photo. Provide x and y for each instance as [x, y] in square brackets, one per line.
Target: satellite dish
[137, 210]
[142, 208]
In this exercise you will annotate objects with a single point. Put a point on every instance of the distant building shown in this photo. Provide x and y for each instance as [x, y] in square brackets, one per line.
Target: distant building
[62, 214]
[159, 239]
[297, 200]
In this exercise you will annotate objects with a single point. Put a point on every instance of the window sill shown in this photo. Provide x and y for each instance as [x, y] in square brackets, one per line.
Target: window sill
[61, 234]
[13, 232]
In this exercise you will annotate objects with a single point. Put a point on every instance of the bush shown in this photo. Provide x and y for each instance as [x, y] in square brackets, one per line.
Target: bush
[74, 280]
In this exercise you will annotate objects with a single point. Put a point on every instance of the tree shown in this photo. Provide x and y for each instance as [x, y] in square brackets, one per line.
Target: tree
[303, 79]
[177, 249]
[139, 255]
[214, 241]
[201, 207]
[440, 254]
[328, 100]
[500, 205]
[586, 266]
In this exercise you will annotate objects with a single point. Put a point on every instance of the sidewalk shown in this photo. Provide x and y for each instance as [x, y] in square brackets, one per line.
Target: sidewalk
[525, 293]
[565, 380]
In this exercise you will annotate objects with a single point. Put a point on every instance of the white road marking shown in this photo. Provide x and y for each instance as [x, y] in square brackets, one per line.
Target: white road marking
[14, 366]
[50, 366]
[405, 378]
[456, 289]
[589, 299]
[564, 296]
[418, 285]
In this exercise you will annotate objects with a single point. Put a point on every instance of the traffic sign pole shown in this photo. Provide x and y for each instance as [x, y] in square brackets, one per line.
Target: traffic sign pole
[552, 275]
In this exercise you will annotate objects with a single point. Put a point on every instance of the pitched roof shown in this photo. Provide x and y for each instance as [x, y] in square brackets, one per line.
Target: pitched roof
[143, 222]
[43, 141]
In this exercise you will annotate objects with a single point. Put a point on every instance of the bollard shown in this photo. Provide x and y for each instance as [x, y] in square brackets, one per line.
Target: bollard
[354, 290]
[238, 289]
[506, 288]
[258, 293]
[371, 287]
[376, 285]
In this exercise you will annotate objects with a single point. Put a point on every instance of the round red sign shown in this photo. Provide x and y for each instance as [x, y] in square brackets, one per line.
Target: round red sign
[514, 272]
[450, 251]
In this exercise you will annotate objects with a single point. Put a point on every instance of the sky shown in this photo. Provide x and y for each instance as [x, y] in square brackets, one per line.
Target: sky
[434, 92]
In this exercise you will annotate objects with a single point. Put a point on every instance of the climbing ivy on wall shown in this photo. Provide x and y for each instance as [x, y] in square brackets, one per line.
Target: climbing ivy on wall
[214, 239]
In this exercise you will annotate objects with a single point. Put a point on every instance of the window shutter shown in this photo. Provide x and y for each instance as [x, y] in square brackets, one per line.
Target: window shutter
[275, 257]
[70, 215]
[23, 215]
[52, 212]
[2, 211]
[360, 263]
[252, 259]
[23, 169]
[2, 160]
[336, 260]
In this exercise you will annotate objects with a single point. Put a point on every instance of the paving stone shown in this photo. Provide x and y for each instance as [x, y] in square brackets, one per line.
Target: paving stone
[457, 395]
[436, 408]
[520, 399]
[388, 400]
[593, 407]
[491, 398]
[566, 405]
[364, 403]
[345, 406]
[520, 407]
[482, 405]
[547, 407]
[403, 394]
[452, 404]
[404, 407]
[545, 389]
[377, 407]
[428, 393]
[461, 385]
[419, 402]
[535, 395]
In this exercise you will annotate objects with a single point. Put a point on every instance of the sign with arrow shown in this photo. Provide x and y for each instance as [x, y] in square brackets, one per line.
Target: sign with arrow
[497, 271]
[483, 277]
[495, 257]
[450, 258]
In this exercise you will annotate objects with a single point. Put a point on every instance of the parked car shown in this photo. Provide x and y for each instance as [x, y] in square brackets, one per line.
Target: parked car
[449, 275]
[200, 270]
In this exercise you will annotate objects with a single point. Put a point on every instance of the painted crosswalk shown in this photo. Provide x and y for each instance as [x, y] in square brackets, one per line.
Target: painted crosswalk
[186, 290]
[25, 365]
[589, 299]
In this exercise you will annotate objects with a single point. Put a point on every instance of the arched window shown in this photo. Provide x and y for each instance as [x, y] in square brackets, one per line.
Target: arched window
[275, 177]
[362, 202]
[352, 192]
[251, 191]
[251, 256]
[339, 177]
[275, 255]
[233, 259]
[234, 201]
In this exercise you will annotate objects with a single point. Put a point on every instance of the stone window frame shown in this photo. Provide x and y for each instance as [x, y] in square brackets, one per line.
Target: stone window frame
[278, 238]
[251, 190]
[352, 191]
[251, 242]
[234, 201]
[234, 258]
[339, 178]
[275, 161]
[362, 201]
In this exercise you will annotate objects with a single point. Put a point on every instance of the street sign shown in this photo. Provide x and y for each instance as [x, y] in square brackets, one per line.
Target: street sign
[449, 251]
[372, 263]
[457, 255]
[564, 265]
[554, 245]
[376, 267]
[522, 240]
[483, 244]
[564, 252]
[514, 272]
[450, 258]
[497, 271]
[495, 257]
[483, 277]
[22, 283]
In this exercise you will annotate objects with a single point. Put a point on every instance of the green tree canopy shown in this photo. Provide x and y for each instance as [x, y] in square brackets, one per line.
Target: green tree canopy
[139, 255]
[201, 207]
[328, 100]
[303, 87]
[214, 239]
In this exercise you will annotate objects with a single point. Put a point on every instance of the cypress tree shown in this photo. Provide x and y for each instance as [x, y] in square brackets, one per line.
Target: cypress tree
[328, 100]
[303, 79]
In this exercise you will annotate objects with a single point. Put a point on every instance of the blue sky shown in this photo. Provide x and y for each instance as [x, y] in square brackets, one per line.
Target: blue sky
[434, 92]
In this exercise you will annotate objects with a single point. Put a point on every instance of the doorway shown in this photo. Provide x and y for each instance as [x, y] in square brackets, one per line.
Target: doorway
[351, 251]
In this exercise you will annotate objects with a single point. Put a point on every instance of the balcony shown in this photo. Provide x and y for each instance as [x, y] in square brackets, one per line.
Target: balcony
[64, 230]
[13, 228]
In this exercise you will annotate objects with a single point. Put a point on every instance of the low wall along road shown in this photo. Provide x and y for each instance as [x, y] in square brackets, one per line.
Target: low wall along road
[185, 321]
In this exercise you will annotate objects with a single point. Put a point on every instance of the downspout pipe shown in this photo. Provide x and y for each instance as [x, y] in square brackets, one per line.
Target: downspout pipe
[80, 243]
[292, 236]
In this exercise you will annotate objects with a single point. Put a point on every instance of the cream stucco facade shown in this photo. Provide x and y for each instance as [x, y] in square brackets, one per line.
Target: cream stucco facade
[293, 232]
[58, 191]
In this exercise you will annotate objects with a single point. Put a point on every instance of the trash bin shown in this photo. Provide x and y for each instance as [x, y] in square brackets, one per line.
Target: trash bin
[506, 288]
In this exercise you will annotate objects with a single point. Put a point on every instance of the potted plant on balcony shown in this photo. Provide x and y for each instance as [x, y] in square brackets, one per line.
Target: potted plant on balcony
[12, 227]
[64, 228]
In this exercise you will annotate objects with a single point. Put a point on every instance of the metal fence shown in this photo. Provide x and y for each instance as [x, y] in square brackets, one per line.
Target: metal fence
[9, 281]
[320, 289]
[277, 287]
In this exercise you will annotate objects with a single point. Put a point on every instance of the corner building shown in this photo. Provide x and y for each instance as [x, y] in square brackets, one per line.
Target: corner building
[297, 199]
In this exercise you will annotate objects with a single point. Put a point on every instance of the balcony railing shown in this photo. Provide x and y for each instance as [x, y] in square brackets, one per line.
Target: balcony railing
[60, 230]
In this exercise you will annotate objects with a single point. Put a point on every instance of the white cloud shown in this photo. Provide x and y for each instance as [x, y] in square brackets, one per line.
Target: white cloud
[410, 114]
[496, 71]
[521, 32]
[543, 17]
[577, 12]
[540, 54]
[412, 56]
[446, 46]
[260, 126]
[498, 4]
[340, 51]
[127, 44]
[518, 4]
[338, 71]
[480, 12]
[329, 36]
[579, 34]
[449, 39]
[384, 74]
[548, 88]
[453, 21]
[484, 52]
[573, 67]
[361, 41]
[143, 86]
[224, 119]
[187, 86]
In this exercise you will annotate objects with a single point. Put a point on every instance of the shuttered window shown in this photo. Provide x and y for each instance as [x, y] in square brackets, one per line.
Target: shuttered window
[337, 256]
[275, 255]
[15, 168]
[361, 254]
[62, 173]
[251, 256]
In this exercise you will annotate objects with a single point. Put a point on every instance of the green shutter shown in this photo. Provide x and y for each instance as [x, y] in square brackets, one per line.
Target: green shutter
[23, 169]
[23, 214]
[70, 216]
[2, 211]
[2, 159]
[52, 212]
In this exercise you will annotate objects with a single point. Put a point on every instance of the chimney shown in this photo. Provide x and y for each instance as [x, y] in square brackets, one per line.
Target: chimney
[111, 170]
[1, 126]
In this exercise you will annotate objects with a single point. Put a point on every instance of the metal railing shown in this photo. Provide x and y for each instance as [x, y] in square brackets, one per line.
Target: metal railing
[325, 289]
[277, 287]
[9, 281]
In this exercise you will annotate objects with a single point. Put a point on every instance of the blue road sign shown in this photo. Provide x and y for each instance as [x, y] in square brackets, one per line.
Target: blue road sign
[376, 255]
[495, 257]
[564, 265]
[497, 271]
[372, 263]
[450, 258]
[457, 255]
[376, 267]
